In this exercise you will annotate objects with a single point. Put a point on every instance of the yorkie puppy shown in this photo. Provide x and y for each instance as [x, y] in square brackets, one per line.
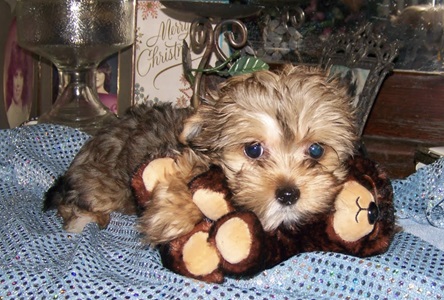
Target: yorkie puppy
[98, 180]
[282, 138]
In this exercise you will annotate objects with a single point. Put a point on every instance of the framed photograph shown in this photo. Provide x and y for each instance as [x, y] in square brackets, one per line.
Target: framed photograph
[106, 81]
[18, 80]
[6, 17]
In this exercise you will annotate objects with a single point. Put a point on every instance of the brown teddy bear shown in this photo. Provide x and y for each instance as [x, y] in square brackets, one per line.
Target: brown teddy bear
[231, 241]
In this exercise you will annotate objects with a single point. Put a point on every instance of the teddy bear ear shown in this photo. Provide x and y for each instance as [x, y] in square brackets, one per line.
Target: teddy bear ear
[148, 176]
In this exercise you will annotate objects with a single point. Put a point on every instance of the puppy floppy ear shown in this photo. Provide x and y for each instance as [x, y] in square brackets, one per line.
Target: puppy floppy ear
[196, 123]
[199, 124]
[192, 128]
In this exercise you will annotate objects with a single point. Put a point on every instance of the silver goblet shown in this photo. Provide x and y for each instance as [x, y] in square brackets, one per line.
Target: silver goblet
[76, 35]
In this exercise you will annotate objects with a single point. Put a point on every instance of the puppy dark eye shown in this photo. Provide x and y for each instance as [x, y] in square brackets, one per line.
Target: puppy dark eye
[315, 151]
[254, 150]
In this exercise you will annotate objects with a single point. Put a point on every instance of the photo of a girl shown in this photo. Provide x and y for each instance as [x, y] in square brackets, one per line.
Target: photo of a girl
[104, 84]
[17, 83]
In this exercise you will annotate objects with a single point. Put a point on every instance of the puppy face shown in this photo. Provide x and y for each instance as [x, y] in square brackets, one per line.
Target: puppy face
[282, 140]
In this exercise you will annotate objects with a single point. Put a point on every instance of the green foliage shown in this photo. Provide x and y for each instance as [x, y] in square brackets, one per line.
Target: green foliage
[247, 64]
[239, 65]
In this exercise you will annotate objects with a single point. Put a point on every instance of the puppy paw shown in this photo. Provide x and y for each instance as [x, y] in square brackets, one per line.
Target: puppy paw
[75, 219]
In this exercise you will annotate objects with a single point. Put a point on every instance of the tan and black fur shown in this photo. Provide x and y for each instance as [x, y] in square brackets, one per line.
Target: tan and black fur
[282, 138]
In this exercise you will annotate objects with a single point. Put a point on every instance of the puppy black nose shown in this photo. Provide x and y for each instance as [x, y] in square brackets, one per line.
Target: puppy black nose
[288, 195]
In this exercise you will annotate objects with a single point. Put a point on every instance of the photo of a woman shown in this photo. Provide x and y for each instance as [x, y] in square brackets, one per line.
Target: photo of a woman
[103, 85]
[17, 83]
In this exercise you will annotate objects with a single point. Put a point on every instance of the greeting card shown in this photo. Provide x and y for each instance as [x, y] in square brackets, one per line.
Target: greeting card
[158, 76]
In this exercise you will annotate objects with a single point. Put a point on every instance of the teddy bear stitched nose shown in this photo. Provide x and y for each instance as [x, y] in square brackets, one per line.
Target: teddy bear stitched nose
[287, 195]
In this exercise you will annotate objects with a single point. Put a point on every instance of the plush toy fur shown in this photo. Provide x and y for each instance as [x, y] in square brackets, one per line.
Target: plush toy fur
[230, 241]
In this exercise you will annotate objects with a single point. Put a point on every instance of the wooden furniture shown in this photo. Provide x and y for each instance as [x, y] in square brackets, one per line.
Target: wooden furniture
[408, 113]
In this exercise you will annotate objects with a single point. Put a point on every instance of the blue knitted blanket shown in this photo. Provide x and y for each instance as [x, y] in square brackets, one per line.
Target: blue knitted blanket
[38, 260]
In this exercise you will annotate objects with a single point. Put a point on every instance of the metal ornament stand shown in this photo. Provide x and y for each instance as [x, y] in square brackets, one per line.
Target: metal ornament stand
[213, 19]
[204, 38]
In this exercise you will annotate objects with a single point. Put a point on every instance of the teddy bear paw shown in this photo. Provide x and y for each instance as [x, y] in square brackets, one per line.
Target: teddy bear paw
[193, 255]
[239, 237]
[200, 257]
